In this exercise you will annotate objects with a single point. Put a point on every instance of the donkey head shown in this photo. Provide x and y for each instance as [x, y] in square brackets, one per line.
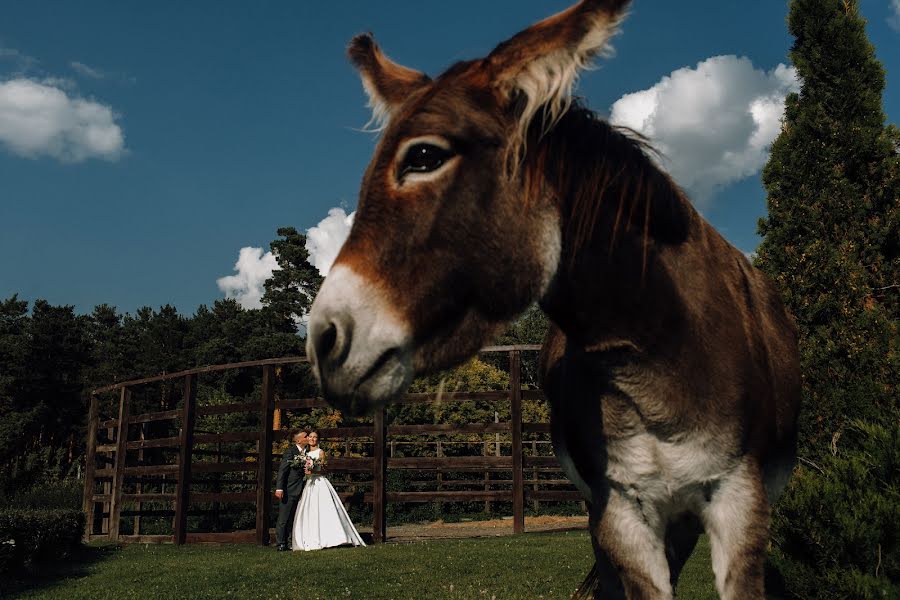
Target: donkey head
[450, 240]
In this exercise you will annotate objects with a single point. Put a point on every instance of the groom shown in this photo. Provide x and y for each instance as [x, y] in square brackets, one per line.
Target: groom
[289, 488]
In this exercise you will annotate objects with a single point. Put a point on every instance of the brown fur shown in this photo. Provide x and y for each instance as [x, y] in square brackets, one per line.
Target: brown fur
[664, 340]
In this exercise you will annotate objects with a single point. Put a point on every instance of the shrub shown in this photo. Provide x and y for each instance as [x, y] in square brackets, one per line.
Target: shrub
[33, 536]
[46, 495]
[837, 529]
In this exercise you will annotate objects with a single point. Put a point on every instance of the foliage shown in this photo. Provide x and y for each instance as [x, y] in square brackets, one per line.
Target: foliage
[526, 566]
[473, 376]
[831, 236]
[831, 244]
[41, 388]
[529, 328]
[13, 360]
[44, 491]
[31, 536]
[291, 289]
[838, 526]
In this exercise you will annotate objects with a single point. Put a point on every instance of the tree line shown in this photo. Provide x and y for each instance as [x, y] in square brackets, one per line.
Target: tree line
[51, 358]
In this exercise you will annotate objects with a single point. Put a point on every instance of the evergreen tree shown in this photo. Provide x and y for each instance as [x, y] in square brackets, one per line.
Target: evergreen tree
[831, 244]
[59, 353]
[14, 344]
[108, 354]
[292, 288]
[831, 236]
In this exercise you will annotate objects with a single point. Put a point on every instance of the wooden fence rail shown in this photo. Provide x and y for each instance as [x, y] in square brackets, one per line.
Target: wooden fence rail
[171, 492]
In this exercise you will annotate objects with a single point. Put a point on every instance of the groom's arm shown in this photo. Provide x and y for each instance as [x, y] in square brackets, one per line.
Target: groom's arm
[283, 470]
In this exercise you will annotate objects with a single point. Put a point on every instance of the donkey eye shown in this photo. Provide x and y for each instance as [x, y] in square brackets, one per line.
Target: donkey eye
[423, 158]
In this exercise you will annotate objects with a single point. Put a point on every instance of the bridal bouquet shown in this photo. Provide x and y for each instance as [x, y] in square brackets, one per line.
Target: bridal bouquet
[298, 461]
[314, 465]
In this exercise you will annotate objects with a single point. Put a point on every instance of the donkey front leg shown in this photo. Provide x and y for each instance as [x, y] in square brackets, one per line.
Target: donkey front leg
[737, 521]
[630, 554]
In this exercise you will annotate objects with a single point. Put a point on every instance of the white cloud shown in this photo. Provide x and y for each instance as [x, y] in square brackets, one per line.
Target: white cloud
[63, 83]
[38, 118]
[253, 268]
[324, 241]
[713, 124]
[22, 61]
[87, 71]
[10, 53]
[894, 18]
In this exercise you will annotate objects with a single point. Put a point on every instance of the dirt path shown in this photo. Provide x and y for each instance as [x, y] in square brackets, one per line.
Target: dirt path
[470, 529]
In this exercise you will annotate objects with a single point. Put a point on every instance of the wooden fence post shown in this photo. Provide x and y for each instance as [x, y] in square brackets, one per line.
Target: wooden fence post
[107, 490]
[90, 466]
[487, 480]
[515, 397]
[139, 487]
[439, 451]
[115, 505]
[217, 489]
[379, 493]
[185, 456]
[264, 456]
[535, 504]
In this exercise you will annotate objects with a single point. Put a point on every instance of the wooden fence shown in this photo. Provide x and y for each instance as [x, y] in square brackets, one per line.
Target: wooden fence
[108, 467]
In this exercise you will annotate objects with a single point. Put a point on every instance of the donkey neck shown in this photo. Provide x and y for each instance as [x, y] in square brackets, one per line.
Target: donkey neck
[618, 214]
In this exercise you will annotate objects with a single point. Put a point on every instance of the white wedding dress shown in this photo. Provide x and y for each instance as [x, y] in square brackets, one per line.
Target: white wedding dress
[321, 520]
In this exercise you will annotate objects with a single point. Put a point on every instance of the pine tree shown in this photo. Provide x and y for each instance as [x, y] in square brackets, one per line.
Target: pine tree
[831, 236]
[291, 289]
[15, 325]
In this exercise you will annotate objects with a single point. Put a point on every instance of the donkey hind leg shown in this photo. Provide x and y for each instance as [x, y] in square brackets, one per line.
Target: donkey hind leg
[681, 538]
[737, 520]
[630, 554]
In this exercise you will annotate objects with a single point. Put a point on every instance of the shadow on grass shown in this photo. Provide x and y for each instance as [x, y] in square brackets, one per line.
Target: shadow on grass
[49, 574]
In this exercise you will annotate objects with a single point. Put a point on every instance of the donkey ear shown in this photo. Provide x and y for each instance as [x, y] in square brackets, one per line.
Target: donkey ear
[387, 83]
[542, 62]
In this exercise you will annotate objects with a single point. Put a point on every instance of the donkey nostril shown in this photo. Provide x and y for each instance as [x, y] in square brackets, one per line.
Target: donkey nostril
[329, 341]
[325, 343]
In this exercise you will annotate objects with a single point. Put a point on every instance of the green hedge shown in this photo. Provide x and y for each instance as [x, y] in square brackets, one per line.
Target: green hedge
[32, 536]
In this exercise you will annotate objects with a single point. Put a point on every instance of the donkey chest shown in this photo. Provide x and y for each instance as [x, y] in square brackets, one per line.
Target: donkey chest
[666, 476]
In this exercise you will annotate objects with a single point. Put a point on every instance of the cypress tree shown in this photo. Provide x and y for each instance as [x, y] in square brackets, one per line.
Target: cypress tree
[830, 240]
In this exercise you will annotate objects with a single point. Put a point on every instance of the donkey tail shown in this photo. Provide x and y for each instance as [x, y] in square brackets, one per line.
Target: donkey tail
[589, 587]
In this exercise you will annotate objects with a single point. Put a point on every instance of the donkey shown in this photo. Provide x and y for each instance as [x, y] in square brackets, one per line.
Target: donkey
[671, 366]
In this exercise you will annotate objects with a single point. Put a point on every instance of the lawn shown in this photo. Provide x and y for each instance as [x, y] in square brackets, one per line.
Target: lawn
[537, 565]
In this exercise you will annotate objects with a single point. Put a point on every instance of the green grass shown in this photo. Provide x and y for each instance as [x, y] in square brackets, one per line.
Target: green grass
[539, 565]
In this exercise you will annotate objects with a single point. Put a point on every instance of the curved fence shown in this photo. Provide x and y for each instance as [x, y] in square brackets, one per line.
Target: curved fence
[176, 474]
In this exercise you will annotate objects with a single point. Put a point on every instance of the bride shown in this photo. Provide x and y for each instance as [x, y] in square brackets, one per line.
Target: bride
[321, 520]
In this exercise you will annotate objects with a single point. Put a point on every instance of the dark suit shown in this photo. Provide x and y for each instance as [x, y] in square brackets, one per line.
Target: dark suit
[291, 481]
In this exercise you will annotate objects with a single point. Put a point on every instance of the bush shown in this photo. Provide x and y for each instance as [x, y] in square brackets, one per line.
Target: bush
[35, 467]
[33, 536]
[837, 529]
[65, 494]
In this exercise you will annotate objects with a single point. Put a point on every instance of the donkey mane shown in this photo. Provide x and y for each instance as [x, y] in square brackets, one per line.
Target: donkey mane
[597, 173]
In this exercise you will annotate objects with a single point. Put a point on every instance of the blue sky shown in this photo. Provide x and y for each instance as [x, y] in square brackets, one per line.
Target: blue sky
[142, 145]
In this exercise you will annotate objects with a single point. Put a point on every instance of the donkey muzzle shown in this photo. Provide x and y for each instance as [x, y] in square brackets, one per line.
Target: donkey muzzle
[359, 350]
